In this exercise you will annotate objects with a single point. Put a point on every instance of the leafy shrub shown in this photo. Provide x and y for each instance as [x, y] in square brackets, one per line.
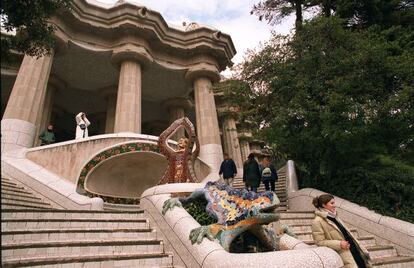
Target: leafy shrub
[197, 210]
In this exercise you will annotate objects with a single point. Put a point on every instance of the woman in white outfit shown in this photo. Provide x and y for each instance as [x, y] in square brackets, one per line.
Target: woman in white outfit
[82, 124]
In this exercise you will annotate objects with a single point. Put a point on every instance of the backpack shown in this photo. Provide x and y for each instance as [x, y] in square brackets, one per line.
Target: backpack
[267, 173]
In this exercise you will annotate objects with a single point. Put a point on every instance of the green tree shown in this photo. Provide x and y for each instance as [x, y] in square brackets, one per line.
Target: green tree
[337, 101]
[274, 11]
[29, 18]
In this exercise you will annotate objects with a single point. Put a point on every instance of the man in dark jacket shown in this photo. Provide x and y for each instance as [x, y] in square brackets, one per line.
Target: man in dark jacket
[228, 169]
[251, 173]
[47, 136]
[269, 174]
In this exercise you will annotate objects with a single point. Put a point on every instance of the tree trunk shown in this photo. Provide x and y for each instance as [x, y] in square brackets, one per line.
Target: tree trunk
[326, 8]
[299, 16]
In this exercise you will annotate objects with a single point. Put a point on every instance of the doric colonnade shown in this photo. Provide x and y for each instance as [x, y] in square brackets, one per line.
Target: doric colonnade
[137, 38]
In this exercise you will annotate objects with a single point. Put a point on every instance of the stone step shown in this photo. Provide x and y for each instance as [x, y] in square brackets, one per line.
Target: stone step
[366, 240]
[394, 262]
[300, 227]
[95, 260]
[79, 248]
[8, 182]
[281, 208]
[11, 184]
[292, 221]
[57, 214]
[381, 251]
[298, 215]
[23, 204]
[13, 193]
[121, 207]
[22, 223]
[304, 236]
[3, 206]
[20, 196]
[28, 200]
[14, 189]
[26, 235]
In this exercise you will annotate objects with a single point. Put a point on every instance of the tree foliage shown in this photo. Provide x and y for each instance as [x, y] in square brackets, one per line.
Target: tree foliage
[29, 18]
[339, 101]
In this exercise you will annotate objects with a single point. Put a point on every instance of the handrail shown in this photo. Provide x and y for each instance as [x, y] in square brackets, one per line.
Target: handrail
[291, 178]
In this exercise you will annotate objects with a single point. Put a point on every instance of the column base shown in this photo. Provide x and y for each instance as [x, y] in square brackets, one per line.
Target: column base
[212, 154]
[16, 134]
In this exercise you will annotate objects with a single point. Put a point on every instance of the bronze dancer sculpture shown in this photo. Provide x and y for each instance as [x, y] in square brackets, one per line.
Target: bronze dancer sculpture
[178, 160]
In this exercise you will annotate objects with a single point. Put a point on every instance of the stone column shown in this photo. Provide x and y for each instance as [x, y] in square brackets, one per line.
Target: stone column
[18, 126]
[45, 117]
[109, 94]
[176, 109]
[231, 139]
[245, 149]
[206, 114]
[131, 59]
[244, 139]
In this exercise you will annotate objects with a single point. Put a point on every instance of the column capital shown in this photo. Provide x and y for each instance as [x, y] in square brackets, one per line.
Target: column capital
[203, 70]
[184, 103]
[228, 111]
[131, 52]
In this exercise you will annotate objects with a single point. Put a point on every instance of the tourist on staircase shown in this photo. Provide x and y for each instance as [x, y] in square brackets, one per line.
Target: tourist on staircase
[251, 173]
[47, 136]
[269, 175]
[82, 124]
[329, 231]
[228, 169]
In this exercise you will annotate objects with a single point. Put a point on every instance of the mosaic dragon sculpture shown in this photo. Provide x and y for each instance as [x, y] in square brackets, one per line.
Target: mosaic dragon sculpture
[236, 211]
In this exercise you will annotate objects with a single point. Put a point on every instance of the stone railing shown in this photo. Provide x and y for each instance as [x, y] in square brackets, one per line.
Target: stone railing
[66, 159]
[57, 191]
[176, 225]
[385, 229]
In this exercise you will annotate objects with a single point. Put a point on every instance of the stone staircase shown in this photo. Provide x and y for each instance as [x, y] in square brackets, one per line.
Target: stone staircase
[34, 234]
[381, 255]
[280, 188]
[384, 256]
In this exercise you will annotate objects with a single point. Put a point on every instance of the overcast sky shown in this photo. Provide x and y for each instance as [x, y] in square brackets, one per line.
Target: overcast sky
[229, 16]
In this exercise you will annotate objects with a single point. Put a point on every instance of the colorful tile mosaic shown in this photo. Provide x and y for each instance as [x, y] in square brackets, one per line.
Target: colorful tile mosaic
[103, 156]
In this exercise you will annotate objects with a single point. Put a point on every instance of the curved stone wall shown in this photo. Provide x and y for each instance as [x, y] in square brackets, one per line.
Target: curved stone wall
[177, 224]
[122, 172]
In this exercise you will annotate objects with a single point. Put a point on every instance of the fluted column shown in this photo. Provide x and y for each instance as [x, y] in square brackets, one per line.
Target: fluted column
[245, 137]
[206, 115]
[128, 105]
[177, 109]
[18, 126]
[245, 149]
[131, 59]
[231, 139]
[109, 94]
